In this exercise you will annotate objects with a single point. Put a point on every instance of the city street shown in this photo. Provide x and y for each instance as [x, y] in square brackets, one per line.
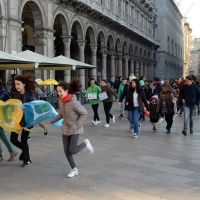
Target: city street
[155, 166]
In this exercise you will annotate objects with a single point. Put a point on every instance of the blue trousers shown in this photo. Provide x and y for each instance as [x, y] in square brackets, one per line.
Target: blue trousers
[134, 117]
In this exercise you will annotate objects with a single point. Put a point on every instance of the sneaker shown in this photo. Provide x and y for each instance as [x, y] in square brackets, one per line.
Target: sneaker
[135, 135]
[160, 120]
[154, 129]
[1, 158]
[143, 119]
[98, 122]
[93, 122]
[46, 130]
[88, 146]
[26, 164]
[131, 130]
[106, 125]
[113, 119]
[184, 132]
[168, 132]
[121, 116]
[139, 128]
[73, 173]
[12, 156]
[29, 137]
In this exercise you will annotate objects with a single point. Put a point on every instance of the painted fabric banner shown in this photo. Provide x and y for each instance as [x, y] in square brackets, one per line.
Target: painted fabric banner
[11, 115]
[38, 111]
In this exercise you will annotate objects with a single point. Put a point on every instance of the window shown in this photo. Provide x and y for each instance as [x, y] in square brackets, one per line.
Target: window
[168, 44]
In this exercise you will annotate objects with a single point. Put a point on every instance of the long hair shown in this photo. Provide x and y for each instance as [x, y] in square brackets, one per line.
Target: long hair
[168, 87]
[138, 87]
[73, 87]
[27, 79]
[92, 79]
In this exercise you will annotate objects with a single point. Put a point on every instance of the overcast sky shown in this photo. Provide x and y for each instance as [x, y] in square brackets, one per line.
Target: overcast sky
[193, 15]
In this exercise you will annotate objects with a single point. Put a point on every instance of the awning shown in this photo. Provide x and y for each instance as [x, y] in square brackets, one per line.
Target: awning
[11, 62]
[43, 62]
[69, 61]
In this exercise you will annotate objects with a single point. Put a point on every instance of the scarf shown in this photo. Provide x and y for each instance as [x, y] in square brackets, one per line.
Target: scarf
[67, 98]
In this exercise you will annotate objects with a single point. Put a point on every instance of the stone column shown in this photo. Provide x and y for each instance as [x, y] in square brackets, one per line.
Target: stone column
[137, 69]
[104, 67]
[67, 42]
[119, 70]
[126, 66]
[145, 70]
[132, 66]
[141, 69]
[94, 60]
[112, 57]
[81, 45]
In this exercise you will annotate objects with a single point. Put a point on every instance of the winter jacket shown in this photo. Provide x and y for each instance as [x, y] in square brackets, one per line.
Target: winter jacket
[191, 94]
[110, 94]
[120, 91]
[141, 99]
[3, 94]
[153, 113]
[93, 89]
[157, 90]
[73, 115]
[39, 93]
[26, 97]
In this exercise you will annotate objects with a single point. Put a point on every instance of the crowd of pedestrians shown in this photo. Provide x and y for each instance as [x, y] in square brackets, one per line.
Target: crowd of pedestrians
[157, 99]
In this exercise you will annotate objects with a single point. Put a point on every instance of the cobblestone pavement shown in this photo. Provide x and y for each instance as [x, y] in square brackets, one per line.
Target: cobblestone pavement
[155, 166]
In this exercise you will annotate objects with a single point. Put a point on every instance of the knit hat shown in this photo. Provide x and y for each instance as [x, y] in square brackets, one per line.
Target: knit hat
[155, 97]
[131, 78]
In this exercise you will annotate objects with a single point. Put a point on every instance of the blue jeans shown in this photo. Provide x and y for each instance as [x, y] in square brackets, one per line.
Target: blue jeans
[129, 119]
[134, 117]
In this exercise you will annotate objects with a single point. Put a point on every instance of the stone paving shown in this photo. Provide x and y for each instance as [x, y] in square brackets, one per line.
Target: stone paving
[155, 166]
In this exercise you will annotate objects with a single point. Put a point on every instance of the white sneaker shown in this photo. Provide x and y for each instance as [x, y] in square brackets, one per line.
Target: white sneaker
[106, 125]
[131, 131]
[160, 120]
[98, 122]
[113, 119]
[93, 123]
[73, 173]
[88, 146]
[135, 135]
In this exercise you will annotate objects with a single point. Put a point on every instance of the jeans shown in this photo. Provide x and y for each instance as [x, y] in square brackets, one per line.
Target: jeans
[71, 147]
[188, 115]
[134, 116]
[95, 109]
[169, 120]
[122, 107]
[5, 141]
[23, 145]
[129, 118]
[107, 107]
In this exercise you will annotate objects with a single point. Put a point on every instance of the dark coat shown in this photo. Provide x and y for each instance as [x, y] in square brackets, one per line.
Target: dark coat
[141, 99]
[110, 94]
[3, 94]
[153, 113]
[157, 90]
[27, 98]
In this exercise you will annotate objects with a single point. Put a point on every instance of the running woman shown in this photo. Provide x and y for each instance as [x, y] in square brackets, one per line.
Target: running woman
[73, 115]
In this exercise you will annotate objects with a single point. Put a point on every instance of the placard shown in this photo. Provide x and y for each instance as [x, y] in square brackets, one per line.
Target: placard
[103, 96]
[92, 96]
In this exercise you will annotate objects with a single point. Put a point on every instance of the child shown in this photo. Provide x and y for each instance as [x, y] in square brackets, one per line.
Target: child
[154, 116]
[73, 114]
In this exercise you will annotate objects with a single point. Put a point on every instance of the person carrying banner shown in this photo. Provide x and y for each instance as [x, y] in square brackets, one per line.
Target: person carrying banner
[22, 89]
[92, 94]
[4, 97]
[73, 115]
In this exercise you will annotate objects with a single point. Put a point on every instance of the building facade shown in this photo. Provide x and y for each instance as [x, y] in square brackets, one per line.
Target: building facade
[117, 36]
[195, 63]
[186, 32]
[170, 36]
